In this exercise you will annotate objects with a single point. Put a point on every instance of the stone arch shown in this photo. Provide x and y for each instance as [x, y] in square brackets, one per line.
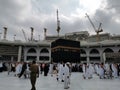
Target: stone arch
[82, 51]
[108, 50]
[31, 50]
[83, 58]
[44, 50]
[94, 55]
[44, 54]
[94, 51]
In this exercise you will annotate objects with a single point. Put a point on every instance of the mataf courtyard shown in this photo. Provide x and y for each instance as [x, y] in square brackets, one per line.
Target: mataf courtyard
[10, 82]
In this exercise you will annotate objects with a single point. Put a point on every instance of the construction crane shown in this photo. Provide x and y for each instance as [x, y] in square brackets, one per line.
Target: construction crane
[32, 30]
[24, 35]
[58, 24]
[5, 32]
[99, 30]
[45, 31]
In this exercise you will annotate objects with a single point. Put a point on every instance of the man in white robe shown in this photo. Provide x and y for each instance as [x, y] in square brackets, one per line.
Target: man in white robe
[61, 73]
[115, 71]
[18, 69]
[96, 69]
[66, 76]
[91, 71]
[101, 71]
[88, 72]
[107, 71]
[84, 70]
[51, 69]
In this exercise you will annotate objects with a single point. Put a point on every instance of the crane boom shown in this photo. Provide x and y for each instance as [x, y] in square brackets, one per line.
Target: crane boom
[24, 35]
[96, 30]
[100, 27]
[58, 24]
[91, 21]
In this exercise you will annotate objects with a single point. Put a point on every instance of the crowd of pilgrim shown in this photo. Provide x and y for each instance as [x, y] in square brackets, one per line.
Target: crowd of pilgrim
[63, 71]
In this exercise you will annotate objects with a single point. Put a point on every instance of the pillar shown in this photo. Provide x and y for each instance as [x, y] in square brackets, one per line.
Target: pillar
[19, 53]
[87, 53]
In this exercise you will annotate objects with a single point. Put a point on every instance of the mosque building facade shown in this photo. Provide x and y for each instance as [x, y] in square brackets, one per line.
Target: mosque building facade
[107, 49]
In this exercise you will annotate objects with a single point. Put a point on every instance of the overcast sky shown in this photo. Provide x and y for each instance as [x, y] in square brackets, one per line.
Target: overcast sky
[39, 14]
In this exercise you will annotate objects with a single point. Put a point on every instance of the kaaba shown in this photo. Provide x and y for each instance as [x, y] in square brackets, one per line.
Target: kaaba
[64, 50]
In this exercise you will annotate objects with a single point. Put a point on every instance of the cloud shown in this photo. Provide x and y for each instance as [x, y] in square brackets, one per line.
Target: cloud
[23, 14]
[109, 16]
[12, 14]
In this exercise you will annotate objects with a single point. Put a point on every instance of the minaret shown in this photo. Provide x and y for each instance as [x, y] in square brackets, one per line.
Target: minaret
[32, 29]
[58, 24]
[45, 31]
[5, 33]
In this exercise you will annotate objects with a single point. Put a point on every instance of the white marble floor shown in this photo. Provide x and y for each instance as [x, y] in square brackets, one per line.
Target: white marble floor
[49, 83]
